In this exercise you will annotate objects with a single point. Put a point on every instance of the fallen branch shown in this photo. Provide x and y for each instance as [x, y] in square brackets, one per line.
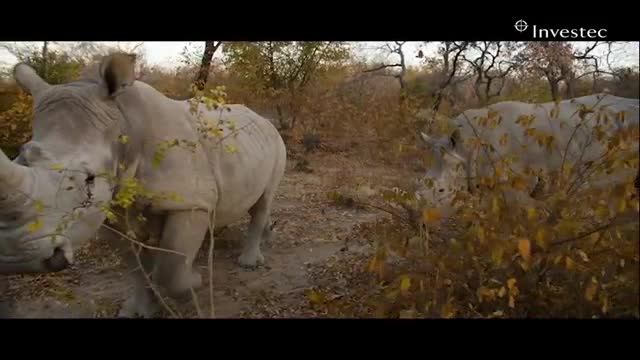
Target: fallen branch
[400, 217]
[619, 222]
[153, 288]
[210, 262]
[142, 244]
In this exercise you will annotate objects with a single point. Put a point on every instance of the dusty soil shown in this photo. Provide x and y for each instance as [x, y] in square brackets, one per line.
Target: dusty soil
[317, 243]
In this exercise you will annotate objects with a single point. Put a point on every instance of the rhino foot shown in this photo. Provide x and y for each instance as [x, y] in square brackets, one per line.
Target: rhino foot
[132, 308]
[251, 260]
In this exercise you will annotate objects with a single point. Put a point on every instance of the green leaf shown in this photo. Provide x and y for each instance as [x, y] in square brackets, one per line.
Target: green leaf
[35, 226]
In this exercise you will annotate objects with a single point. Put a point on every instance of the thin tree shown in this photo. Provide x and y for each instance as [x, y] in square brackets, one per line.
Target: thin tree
[203, 74]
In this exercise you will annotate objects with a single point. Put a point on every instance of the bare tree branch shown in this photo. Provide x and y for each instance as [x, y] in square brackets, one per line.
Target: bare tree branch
[203, 73]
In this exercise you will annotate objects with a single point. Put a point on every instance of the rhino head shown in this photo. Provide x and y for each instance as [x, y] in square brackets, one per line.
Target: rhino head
[448, 168]
[51, 194]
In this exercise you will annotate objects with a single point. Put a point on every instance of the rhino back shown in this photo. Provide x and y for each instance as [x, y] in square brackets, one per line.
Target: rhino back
[548, 119]
[228, 173]
[247, 156]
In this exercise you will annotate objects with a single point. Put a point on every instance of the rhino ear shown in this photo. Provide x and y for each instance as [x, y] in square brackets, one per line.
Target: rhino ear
[29, 80]
[32, 153]
[118, 72]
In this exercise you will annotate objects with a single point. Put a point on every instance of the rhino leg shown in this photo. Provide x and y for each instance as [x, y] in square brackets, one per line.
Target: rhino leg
[143, 302]
[259, 229]
[183, 232]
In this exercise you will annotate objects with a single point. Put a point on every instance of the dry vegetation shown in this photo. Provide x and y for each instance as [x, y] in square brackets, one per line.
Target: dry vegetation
[351, 132]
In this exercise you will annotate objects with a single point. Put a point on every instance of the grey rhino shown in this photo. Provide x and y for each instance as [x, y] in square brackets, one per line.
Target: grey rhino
[502, 127]
[93, 136]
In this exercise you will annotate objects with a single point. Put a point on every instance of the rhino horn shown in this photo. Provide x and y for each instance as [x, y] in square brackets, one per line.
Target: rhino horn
[12, 175]
[29, 80]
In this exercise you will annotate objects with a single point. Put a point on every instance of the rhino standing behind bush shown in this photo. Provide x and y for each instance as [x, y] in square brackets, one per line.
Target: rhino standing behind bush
[108, 147]
[546, 146]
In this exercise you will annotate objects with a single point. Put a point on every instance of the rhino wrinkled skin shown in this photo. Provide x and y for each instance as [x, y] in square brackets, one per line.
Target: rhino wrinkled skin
[52, 195]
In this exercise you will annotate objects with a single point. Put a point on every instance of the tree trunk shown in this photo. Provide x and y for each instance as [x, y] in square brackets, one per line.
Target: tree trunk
[203, 74]
[555, 91]
[571, 86]
[283, 124]
[438, 100]
[45, 55]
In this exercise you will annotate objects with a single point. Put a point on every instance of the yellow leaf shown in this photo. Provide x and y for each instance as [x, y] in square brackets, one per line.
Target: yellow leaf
[570, 264]
[123, 139]
[373, 264]
[512, 302]
[448, 311]
[407, 314]
[315, 297]
[405, 284]
[532, 214]
[35, 226]
[483, 292]
[602, 212]
[605, 305]
[231, 149]
[497, 255]
[524, 248]
[542, 238]
[39, 206]
[57, 167]
[583, 255]
[495, 205]
[518, 183]
[622, 206]
[480, 234]
[503, 139]
[621, 116]
[431, 215]
[557, 260]
[621, 263]
[511, 283]
[502, 292]
[591, 290]
[392, 295]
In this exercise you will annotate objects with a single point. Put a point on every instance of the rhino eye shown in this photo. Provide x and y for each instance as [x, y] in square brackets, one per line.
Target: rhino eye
[13, 217]
[90, 179]
[441, 190]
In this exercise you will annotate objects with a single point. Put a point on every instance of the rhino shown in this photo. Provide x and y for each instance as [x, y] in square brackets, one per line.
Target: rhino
[106, 135]
[457, 163]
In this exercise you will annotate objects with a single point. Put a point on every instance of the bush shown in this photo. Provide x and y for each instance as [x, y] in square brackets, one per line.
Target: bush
[15, 124]
[573, 252]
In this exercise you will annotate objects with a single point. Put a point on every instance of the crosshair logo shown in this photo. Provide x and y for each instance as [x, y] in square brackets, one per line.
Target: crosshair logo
[521, 25]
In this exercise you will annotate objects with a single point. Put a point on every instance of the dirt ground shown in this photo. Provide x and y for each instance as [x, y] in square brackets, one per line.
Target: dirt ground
[316, 243]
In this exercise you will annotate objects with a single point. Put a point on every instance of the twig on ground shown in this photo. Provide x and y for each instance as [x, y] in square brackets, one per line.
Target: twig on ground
[136, 252]
[143, 244]
[210, 262]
